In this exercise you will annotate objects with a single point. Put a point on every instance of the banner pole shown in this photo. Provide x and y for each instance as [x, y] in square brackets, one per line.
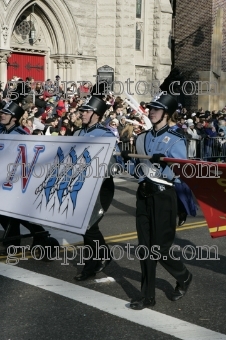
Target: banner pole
[135, 155]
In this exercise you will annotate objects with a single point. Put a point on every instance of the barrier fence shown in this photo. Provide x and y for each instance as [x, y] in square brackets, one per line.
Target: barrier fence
[209, 149]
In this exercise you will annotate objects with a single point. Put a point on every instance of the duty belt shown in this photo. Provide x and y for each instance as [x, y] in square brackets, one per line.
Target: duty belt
[147, 188]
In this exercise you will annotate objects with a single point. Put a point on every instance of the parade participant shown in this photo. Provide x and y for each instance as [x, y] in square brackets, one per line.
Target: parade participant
[91, 115]
[9, 124]
[156, 207]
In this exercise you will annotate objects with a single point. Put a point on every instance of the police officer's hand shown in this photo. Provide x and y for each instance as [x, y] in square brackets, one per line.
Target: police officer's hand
[125, 155]
[155, 159]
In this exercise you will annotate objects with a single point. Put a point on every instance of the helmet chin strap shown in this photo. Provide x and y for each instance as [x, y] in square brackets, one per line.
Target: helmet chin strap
[9, 121]
[160, 120]
[90, 119]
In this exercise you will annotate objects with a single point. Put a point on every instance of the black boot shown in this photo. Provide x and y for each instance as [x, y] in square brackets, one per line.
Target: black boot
[181, 290]
[182, 219]
[142, 303]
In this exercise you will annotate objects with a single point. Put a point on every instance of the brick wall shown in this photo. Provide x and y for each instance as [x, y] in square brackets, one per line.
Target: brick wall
[192, 53]
[221, 4]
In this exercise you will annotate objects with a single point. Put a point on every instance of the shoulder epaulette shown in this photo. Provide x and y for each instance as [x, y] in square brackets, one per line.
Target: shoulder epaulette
[101, 127]
[175, 133]
[145, 131]
[21, 131]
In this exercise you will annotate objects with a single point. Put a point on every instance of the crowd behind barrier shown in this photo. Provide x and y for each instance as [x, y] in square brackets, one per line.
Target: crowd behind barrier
[50, 109]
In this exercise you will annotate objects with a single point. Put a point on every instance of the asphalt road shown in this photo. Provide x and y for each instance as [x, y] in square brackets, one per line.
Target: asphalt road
[40, 300]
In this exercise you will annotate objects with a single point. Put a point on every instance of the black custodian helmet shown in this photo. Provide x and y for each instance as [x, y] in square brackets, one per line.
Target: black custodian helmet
[165, 102]
[12, 108]
[96, 105]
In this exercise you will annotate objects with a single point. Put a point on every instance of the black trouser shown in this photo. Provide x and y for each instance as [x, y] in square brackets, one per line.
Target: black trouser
[156, 225]
[11, 226]
[180, 207]
[94, 233]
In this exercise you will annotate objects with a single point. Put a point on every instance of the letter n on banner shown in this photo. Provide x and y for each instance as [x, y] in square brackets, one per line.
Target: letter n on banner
[26, 170]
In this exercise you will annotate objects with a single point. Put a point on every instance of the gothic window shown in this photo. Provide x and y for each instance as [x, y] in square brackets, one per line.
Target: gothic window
[138, 38]
[26, 28]
[138, 35]
[138, 8]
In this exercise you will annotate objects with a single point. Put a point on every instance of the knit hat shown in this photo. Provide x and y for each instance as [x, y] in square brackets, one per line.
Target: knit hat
[190, 124]
[48, 109]
[60, 104]
[123, 117]
[190, 121]
[73, 104]
[114, 121]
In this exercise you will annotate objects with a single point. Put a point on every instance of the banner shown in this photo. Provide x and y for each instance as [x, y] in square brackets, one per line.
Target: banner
[207, 180]
[53, 181]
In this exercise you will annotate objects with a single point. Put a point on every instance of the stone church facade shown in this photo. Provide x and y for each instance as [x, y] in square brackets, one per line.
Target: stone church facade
[77, 39]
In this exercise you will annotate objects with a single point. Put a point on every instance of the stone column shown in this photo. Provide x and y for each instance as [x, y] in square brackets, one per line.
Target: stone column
[162, 49]
[4, 55]
[105, 38]
[125, 41]
[64, 67]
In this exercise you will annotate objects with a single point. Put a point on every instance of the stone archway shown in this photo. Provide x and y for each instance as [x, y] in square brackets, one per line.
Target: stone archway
[53, 25]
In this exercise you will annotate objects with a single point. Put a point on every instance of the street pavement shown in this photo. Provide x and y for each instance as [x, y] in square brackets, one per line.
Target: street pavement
[41, 300]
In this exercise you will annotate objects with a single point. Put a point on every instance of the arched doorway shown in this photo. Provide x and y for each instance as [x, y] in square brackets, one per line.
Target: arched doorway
[29, 43]
[40, 41]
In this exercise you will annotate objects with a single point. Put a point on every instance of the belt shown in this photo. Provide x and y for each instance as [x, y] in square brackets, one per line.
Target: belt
[147, 189]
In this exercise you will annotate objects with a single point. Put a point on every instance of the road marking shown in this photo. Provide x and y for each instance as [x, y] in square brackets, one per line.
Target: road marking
[133, 235]
[114, 306]
[126, 237]
[194, 223]
[191, 227]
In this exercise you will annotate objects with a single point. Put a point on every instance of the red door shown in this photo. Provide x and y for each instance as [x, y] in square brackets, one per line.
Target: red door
[26, 65]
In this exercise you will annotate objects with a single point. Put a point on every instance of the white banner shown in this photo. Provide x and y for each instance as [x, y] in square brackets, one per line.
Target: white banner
[52, 181]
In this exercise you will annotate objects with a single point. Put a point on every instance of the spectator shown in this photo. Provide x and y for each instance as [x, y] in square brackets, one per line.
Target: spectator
[37, 124]
[192, 143]
[122, 124]
[113, 126]
[210, 145]
[63, 131]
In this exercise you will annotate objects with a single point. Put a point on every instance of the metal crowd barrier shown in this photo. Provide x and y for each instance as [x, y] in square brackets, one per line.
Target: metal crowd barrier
[207, 149]
[210, 149]
[127, 146]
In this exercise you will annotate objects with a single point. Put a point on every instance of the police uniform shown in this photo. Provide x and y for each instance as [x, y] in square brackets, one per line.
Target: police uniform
[156, 207]
[12, 225]
[103, 202]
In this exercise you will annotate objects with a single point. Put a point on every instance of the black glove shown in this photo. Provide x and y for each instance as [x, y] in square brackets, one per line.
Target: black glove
[124, 155]
[156, 159]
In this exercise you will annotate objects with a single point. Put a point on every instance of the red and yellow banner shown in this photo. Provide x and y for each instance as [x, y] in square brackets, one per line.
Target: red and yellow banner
[207, 180]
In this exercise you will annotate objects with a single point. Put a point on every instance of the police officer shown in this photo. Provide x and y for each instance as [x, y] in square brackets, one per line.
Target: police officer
[9, 124]
[156, 207]
[91, 115]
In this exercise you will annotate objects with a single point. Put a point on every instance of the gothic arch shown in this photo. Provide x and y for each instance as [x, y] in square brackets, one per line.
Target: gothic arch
[2, 21]
[58, 20]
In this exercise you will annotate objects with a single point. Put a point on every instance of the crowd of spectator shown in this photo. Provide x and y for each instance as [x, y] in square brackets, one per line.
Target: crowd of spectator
[48, 111]
[205, 132]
